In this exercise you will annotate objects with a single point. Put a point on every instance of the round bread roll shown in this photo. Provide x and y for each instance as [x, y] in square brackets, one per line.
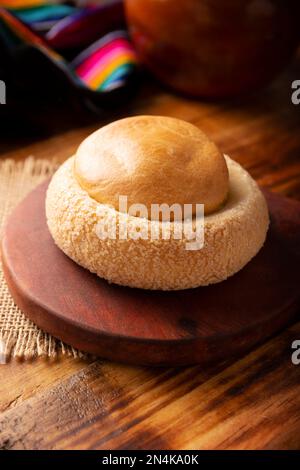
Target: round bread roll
[152, 160]
[77, 203]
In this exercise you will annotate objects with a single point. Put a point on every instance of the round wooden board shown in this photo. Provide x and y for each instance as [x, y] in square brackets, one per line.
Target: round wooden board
[147, 327]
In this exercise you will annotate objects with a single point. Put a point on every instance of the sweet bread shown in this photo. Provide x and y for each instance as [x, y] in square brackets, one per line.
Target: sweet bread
[125, 158]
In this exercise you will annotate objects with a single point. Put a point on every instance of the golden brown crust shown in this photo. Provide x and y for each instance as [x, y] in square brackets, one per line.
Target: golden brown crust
[233, 235]
[152, 160]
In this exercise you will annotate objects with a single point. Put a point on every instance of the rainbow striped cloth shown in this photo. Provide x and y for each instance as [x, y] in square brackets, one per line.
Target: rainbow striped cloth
[93, 54]
[106, 63]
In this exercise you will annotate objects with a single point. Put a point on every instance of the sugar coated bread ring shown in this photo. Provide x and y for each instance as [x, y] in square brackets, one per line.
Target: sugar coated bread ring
[233, 233]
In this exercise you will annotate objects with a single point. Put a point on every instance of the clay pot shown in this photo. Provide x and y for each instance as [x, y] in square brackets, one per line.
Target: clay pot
[214, 48]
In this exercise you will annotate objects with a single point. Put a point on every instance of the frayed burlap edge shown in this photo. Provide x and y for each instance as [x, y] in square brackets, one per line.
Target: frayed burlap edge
[19, 337]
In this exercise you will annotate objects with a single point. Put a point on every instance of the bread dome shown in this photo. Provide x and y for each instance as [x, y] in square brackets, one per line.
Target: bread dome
[152, 160]
[81, 194]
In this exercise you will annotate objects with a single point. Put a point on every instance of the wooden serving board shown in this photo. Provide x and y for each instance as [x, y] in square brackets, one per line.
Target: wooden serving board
[146, 327]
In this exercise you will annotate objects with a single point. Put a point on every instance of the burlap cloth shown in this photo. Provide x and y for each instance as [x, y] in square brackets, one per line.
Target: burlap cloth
[19, 337]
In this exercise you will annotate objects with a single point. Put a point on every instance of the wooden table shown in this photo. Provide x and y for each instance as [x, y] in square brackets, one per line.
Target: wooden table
[250, 403]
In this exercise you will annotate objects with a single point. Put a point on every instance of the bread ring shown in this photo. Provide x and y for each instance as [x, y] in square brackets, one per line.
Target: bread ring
[232, 236]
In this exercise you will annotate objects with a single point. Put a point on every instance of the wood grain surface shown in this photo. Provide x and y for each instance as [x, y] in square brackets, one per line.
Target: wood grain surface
[251, 403]
[142, 327]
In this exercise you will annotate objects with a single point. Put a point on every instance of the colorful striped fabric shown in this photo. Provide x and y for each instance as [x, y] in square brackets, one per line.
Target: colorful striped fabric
[22, 3]
[87, 25]
[15, 33]
[105, 65]
[44, 17]
[40, 15]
